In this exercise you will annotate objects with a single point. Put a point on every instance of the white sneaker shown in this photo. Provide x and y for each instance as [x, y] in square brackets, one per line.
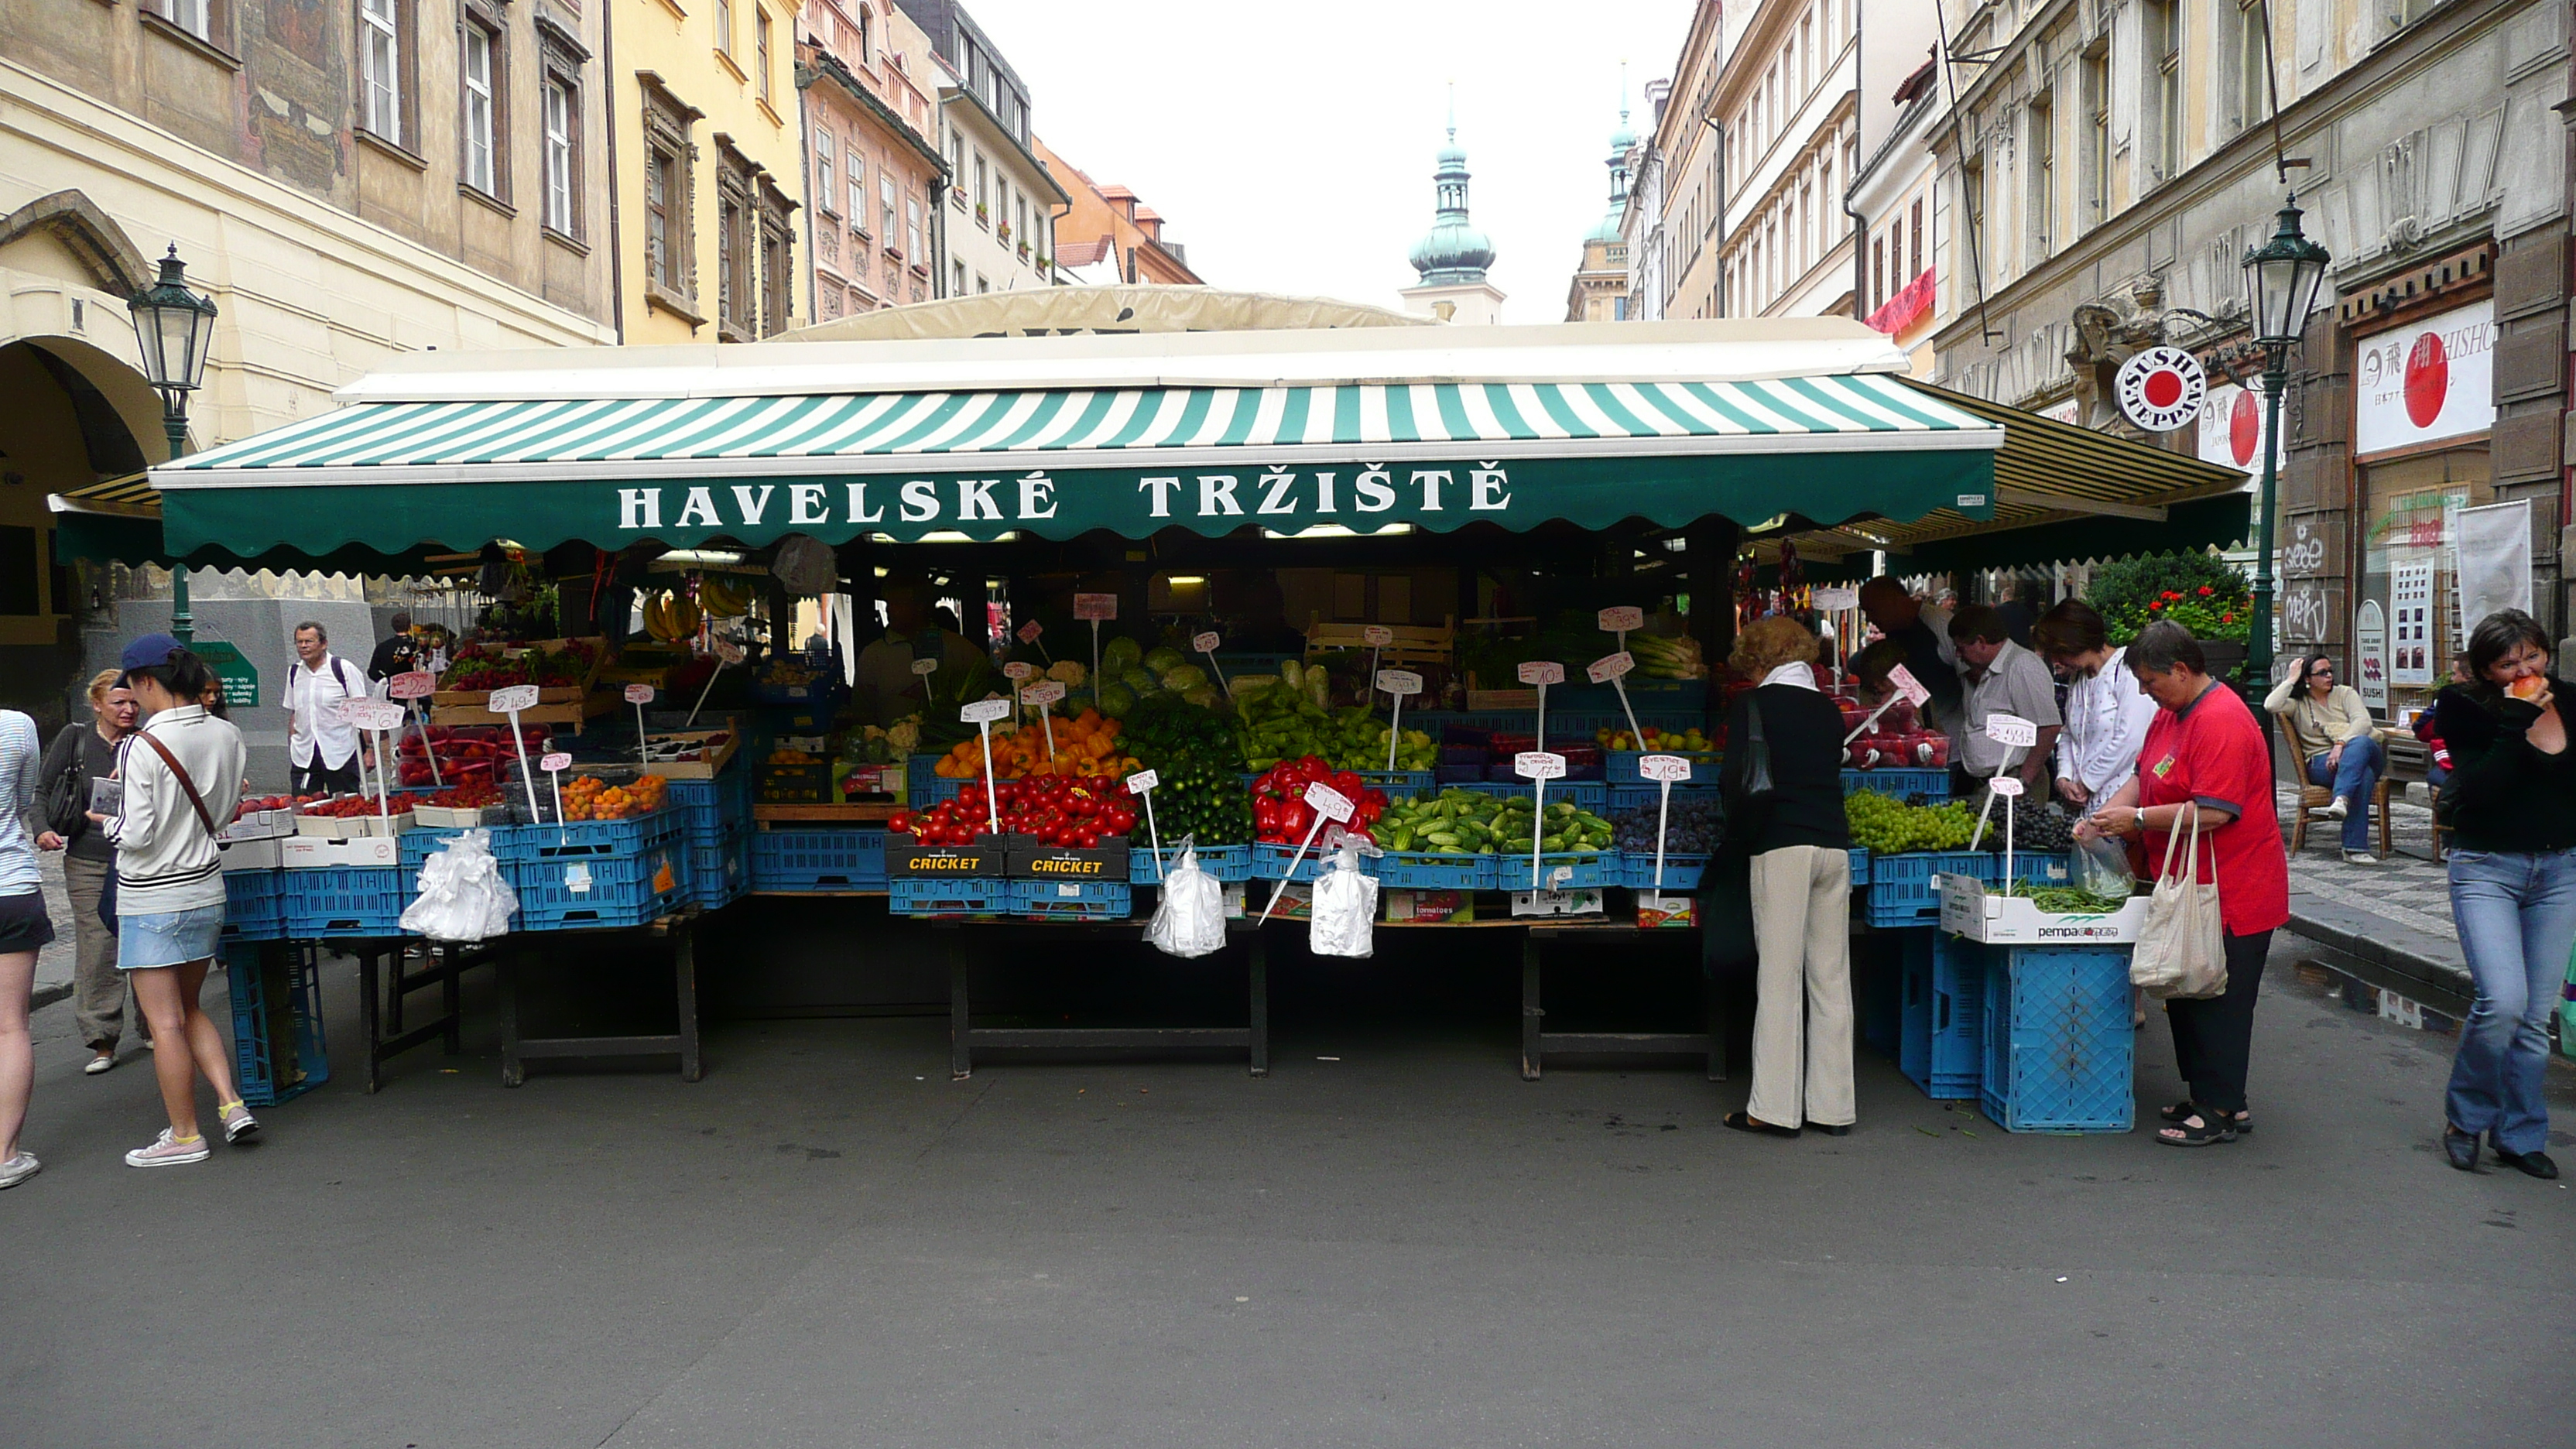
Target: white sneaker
[2337, 810]
[19, 1168]
[165, 1152]
[100, 1063]
[2359, 857]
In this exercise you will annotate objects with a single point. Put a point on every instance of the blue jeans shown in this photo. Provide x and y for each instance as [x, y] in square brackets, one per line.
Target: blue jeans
[2363, 760]
[2517, 920]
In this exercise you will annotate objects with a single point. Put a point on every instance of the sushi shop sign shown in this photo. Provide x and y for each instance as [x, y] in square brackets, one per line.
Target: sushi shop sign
[2425, 381]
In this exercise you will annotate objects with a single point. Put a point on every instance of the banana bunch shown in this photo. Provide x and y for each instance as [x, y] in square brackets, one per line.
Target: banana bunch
[671, 617]
[723, 597]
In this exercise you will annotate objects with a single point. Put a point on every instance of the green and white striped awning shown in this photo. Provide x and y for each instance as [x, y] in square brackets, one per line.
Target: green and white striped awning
[1062, 461]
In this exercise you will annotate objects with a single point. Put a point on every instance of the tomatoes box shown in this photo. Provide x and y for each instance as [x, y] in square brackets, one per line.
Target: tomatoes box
[905, 858]
[1032, 859]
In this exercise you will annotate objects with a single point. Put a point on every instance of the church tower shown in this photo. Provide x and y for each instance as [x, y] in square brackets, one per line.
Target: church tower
[1453, 255]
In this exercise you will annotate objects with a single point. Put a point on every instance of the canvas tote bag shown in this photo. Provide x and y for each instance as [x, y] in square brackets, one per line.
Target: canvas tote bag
[2179, 952]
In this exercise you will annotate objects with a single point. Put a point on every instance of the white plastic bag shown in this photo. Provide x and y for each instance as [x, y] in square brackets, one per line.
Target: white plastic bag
[1345, 908]
[1191, 919]
[463, 896]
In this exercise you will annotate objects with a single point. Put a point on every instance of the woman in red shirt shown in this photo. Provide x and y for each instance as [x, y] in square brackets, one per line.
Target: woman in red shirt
[2206, 756]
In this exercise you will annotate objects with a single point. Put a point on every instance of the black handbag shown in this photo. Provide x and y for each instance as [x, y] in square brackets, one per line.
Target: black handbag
[66, 803]
[1757, 785]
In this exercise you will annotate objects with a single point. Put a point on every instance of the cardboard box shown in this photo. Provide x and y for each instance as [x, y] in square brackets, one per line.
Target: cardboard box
[449, 817]
[857, 782]
[352, 827]
[714, 748]
[261, 825]
[303, 852]
[903, 858]
[1430, 907]
[265, 854]
[1655, 912]
[1970, 910]
[1029, 859]
[1584, 901]
[1296, 902]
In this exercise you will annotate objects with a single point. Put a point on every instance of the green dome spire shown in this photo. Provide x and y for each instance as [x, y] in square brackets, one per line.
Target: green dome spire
[1622, 141]
[1453, 250]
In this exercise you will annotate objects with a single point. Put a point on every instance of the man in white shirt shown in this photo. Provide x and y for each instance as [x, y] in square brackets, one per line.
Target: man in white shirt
[322, 747]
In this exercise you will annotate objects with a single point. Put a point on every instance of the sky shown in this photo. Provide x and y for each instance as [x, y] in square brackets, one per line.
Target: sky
[1289, 147]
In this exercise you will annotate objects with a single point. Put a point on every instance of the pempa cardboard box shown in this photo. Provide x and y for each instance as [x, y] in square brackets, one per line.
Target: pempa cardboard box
[1429, 907]
[305, 852]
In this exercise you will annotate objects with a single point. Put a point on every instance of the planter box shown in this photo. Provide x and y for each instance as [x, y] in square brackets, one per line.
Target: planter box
[1970, 909]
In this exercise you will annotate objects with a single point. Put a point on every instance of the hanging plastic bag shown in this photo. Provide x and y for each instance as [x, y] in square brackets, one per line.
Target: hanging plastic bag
[463, 896]
[2100, 867]
[1345, 907]
[805, 566]
[1191, 919]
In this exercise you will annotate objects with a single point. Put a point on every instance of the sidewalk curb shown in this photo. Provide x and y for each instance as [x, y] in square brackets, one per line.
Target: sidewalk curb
[45, 996]
[2377, 942]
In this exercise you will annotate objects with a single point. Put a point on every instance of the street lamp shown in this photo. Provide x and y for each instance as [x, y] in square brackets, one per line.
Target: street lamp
[2281, 281]
[173, 325]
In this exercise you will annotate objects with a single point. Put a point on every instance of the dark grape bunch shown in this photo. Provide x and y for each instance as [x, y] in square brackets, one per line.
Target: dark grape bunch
[2040, 826]
[1697, 826]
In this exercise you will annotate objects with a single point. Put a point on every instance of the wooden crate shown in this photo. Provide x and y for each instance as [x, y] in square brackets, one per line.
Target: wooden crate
[1415, 646]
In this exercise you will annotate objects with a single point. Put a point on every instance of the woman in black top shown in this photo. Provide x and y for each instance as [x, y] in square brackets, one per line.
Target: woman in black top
[2511, 801]
[98, 988]
[1800, 871]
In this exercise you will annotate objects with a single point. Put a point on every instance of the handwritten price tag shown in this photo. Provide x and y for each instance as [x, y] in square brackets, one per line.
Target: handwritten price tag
[1377, 636]
[1030, 631]
[1330, 803]
[2011, 730]
[2007, 786]
[373, 714]
[1095, 606]
[1664, 767]
[418, 684]
[1018, 669]
[1205, 643]
[1539, 765]
[639, 694]
[1142, 781]
[925, 666]
[1623, 619]
[516, 697]
[1399, 681]
[1541, 671]
[1908, 686]
[555, 763]
[985, 711]
[1837, 596]
[1610, 666]
[1043, 693]
[728, 652]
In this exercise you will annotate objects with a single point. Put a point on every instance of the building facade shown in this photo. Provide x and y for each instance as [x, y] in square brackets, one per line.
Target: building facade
[871, 156]
[1641, 221]
[710, 169]
[1600, 289]
[1787, 99]
[998, 225]
[2103, 176]
[1688, 145]
[1108, 235]
[344, 181]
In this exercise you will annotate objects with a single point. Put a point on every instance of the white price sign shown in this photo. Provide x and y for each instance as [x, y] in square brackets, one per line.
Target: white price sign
[1206, 643]
[1541, 671]
[984, 711]
[1377, 636]
[1539, 765]
[1328, 802]
[1043, 693]
[1399, 682]
[1908, 686]
[1623, 619]
[925, 666]
[516, 697]
[417, 684]
[1018, 670]
[2007, 786]
[375, 715]
[1142, 781]
[1837, 596]
[1610, 667]
[1664, 767]
[555, 763]
[728, 652]
[1030, 631]
[639, 694]
[2011, 730]
[1095, 607]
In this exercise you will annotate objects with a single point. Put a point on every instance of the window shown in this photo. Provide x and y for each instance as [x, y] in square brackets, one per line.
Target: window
[2253, 77]
[777, 249]
[858, 169]
[983, 195]
[2163, 22]
[380, 68]
[957, 165]
[2043, 176]
[481, 170]
[982, 285]
[670, 256]
[957, 279]
[760, 51]
[733, 259]
[912, 246]
[1877, 273]
[825, 193]
[1020, 218]
[562, 125]
[885, 215]
[1914, 242]
[724, 28]
[1972, 200]
[193, 16]
[2096, 159]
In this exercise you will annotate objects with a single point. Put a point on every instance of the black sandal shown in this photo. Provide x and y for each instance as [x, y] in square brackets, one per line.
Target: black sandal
[1745, 1122]
[2244, 1123]
[2212, 1128]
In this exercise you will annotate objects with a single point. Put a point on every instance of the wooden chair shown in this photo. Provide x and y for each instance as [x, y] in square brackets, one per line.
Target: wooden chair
[2318, 797]
[2410, 762]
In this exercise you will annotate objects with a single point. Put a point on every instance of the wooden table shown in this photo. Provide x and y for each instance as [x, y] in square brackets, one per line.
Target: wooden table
[1536, 1041]
[381, 994]
[964, 1036]
[517, 1050]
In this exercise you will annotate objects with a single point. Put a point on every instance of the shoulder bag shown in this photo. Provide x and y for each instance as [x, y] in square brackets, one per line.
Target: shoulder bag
[2180, 953]
[66, 800]
[1757, 785]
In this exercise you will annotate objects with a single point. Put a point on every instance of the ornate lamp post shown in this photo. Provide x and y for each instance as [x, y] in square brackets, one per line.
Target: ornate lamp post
[2281, 281]
[173, 325]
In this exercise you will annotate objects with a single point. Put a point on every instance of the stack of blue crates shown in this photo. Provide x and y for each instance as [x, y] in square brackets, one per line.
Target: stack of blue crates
[1941, 1013]
[820, 858]
[278, 1048]
[345, 901]
[589, 873]
[1051, 900]
[717, 830]
[2059, 1052]
[254, 905]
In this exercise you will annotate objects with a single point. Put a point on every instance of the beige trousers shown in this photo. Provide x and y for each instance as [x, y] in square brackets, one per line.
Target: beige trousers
[98, 988]
[1802, 1024]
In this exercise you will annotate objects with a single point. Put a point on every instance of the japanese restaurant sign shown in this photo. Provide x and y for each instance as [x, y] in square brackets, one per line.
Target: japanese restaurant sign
[2425, 381]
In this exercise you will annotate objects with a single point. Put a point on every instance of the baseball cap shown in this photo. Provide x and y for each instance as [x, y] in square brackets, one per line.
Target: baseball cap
[149, 652]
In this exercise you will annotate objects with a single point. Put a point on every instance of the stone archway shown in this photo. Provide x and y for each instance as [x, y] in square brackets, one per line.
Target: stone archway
[114, 264]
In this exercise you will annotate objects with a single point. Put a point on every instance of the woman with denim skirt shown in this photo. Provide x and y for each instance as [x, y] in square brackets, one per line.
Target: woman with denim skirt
[2511, 803]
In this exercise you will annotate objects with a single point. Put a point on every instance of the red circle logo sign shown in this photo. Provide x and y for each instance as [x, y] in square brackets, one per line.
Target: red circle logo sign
[2428, 379]
[2160, 389]
[2164, 388]
[2244, 427]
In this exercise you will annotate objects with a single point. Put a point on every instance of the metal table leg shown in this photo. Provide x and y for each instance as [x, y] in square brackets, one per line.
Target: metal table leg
[961, 1057]
[505, 979]
[1531, 1015]
[1260, 1005]
[684, 967]
[370, 1014]
[451, 998]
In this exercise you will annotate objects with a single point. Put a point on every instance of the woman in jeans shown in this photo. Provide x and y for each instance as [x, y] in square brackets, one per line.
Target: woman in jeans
[2331, 714]
[1800, 853]
[2511, 803]
[182, 774]
[98, 988]
[2205, 760]
[24, 930]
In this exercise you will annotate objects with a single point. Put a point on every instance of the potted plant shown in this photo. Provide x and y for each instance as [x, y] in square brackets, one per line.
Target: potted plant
[2199, 591]
[983, 214]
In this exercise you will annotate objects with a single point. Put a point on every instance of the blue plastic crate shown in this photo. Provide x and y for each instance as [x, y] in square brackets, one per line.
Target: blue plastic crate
[1435, 870]
[417, 846]
[1398, 782]
[1859, 866]
[2038, 868]
[1222, 862]
[1632, 797]
[588, 839]
[1271, 862]
[345, 900]
[278, 1047]
[1583, 868]
[720, 873]
[1066, 900]
[2059, 1052]
[1592, 795]
[950, 896]
[1878, 986]
[1897, 784]
[820, 858]
[1681, 872]
[1458, 774]
[254, 905]
[921, 787]
[617, 890]
[1941, 1014]
[1901, 887]
[708, 807]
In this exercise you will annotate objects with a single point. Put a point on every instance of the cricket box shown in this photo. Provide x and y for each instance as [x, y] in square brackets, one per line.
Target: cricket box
[905, 859]
[1031, 859]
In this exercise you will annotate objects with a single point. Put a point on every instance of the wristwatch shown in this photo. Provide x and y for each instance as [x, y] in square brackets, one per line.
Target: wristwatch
[2142, 819]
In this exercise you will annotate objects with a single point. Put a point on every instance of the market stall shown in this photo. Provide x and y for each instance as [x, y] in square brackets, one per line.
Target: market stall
[1069, 500]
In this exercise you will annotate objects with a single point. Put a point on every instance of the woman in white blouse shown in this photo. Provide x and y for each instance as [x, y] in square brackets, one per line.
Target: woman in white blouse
[2106, 712]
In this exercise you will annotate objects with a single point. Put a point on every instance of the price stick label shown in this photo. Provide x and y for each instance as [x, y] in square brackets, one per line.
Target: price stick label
[1612, 669]
[416, 684]
[640, 695]
[1908, 688]
[1668, 769]
[1095, 607]
[375, 716]
[1377, 636]
[1538, 767]
[1397, 682]
[981, 715]
[2013, 733]
[1835, 597]
[1663, 770]
[411, 688]
[1542, 672]
[1039, 696]
[1621, 620]
[2008, 786]
[1208, 644]
[1029, 633]
[925, 666]
[554, 765]
[1141, 785]
[510, 701]
[1328, 804]
[1018, 669]
[727, 653]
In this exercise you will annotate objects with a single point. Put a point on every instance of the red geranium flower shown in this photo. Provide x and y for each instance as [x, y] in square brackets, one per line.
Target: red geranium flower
[2204, 591]
[2227, 618]
[2154, 604]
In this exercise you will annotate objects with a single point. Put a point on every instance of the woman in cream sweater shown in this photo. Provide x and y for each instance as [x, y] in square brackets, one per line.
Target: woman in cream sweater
[2331, 714]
